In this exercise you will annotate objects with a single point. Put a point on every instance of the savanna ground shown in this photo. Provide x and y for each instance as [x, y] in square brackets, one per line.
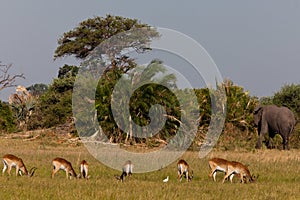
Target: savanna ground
[278, 175]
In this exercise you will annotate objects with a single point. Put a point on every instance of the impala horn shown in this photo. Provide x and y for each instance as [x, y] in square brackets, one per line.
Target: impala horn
[254, 177]
[31, 172]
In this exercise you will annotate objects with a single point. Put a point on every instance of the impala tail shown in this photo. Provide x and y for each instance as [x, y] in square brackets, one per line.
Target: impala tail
[84, 168]
[11, 161]
[126, 170]
[62, 164]
[183, 170]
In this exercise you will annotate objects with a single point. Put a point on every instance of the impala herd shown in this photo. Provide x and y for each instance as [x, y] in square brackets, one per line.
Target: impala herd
[230, 168]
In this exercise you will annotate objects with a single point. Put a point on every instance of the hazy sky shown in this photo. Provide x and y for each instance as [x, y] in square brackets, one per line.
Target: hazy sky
[254, 43]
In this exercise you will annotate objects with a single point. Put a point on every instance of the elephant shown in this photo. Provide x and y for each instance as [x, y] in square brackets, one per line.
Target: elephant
[273, 119]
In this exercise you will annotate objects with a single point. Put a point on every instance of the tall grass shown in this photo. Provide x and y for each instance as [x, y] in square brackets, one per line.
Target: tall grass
[278, 171]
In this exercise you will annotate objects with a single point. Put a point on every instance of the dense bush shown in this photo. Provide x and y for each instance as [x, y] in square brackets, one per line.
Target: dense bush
[239, 127]
[7, 121]
[54, 107]
[289, 96]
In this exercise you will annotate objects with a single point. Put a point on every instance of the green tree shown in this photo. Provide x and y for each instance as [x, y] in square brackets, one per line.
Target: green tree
[83, 40]
[90, 33]
[289, 96]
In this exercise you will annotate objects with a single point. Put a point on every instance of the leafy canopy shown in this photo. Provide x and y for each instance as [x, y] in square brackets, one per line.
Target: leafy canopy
[91, 32]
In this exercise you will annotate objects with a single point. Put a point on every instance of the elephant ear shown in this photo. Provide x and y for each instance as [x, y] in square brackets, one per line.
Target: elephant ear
[257, 109]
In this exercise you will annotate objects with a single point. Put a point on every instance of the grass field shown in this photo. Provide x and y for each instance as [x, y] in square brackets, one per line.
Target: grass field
[279, 176]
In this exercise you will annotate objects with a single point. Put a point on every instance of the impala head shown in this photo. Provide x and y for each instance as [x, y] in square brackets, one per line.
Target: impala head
[11, 161]
[251, 178]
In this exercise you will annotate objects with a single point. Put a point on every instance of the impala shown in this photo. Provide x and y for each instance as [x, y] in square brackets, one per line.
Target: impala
[10, 161]
[62, 164]
[84, 168]
[238, 168]
[126, 170]
[183, 169]
[218, 165]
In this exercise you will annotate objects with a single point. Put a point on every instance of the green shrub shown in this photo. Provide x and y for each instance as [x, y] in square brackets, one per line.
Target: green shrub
[7, 121]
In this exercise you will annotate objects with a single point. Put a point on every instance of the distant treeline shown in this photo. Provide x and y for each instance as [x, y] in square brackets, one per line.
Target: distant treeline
[47, 106]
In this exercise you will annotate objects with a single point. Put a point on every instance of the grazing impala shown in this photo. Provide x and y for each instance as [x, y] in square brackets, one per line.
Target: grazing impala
[126, 170]
[183, 169]
[238, 168]
[84, 168]
[10, 161]
[62, 164]
[218, 165]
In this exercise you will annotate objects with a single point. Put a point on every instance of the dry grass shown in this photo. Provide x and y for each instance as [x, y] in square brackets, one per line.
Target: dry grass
[279, 176]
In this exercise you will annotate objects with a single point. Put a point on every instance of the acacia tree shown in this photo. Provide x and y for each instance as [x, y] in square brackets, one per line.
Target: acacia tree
[82, 41]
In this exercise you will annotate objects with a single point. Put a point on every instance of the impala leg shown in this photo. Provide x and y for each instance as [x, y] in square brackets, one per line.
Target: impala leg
[214, 175]
[17, 170]
[54, 171]
[231, 177]
[87, 171]
[242, 178]
[67, 174]
[9, 169]
[187, 176]
[4, 169]
[226, 176]
[180, 176]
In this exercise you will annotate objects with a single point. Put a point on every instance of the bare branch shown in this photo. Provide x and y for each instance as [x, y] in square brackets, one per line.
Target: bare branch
[6, 79]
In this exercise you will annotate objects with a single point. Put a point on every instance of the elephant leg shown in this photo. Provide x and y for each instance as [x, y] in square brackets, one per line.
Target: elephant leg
[258, 143]
[285, 143]
[271, 143]
[262, 130]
